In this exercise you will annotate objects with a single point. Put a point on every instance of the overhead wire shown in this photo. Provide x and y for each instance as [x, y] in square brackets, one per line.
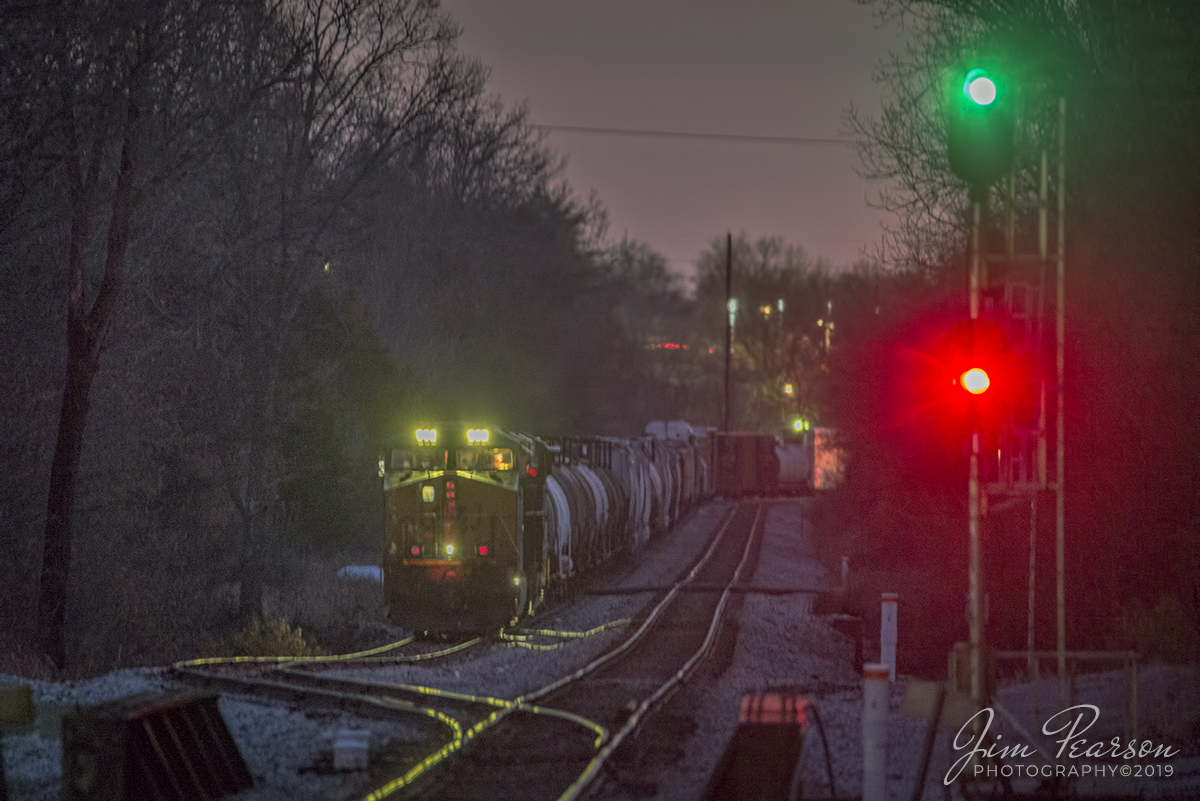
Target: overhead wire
[728, 137]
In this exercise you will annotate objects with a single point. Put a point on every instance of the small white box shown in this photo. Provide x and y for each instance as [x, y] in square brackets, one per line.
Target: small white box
[350, 749]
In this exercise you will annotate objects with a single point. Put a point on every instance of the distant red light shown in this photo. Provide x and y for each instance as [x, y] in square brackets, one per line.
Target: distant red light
[415, 550]
[483, 550]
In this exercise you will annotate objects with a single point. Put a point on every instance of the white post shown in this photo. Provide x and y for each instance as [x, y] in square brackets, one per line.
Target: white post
[875, 714]
[887, 632]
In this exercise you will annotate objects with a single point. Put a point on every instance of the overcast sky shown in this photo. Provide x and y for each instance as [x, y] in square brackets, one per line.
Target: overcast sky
[784, 68]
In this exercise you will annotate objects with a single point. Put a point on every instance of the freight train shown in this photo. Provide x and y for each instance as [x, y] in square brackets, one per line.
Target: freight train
[483, 526]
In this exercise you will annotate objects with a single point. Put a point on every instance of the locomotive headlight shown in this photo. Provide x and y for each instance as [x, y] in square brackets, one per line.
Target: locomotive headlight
[427, 435]
[477, 435]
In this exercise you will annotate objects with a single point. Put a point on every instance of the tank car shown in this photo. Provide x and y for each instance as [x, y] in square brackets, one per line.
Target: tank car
[606, 496]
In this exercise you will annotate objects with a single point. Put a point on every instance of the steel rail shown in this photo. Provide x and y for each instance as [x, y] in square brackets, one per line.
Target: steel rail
[592, 770]
[384, 694]
[646, 624]
[522, 703]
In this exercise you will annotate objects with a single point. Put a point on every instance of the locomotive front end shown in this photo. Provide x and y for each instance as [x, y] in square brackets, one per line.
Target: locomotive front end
[452, 556]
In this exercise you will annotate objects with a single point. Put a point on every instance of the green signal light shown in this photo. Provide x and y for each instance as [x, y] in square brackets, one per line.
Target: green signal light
[980, 88]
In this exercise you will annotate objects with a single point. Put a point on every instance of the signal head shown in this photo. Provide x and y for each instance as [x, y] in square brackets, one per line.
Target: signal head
[981, 127]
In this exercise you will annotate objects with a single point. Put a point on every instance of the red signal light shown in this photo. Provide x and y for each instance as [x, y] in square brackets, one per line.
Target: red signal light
[483, 550]
[967, 377]
[975, 381]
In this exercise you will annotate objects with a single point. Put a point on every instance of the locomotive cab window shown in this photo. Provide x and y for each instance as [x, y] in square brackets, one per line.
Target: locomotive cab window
[502, 459]
[418, 459]
[484, 458]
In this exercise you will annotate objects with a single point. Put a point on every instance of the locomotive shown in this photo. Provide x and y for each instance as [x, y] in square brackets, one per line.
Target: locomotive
[483, 526]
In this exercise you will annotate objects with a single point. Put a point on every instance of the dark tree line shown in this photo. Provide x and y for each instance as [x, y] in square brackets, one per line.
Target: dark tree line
[1128, 73]
[107, 104]
[244, 243]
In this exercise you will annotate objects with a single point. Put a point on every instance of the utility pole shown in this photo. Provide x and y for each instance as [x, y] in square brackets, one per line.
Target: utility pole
[728, 317]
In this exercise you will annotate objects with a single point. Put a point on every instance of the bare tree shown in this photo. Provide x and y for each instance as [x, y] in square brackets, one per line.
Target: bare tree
[113, 99]
[378, 86]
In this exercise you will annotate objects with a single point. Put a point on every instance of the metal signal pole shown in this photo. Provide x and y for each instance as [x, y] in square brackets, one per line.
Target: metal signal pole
[1061, 328]
[974, 545]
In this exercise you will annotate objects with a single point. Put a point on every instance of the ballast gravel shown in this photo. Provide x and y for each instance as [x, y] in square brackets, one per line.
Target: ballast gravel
[780, 647]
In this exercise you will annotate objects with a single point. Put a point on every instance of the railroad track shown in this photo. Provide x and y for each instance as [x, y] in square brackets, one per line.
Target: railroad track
[551, 743]
[521, 754]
